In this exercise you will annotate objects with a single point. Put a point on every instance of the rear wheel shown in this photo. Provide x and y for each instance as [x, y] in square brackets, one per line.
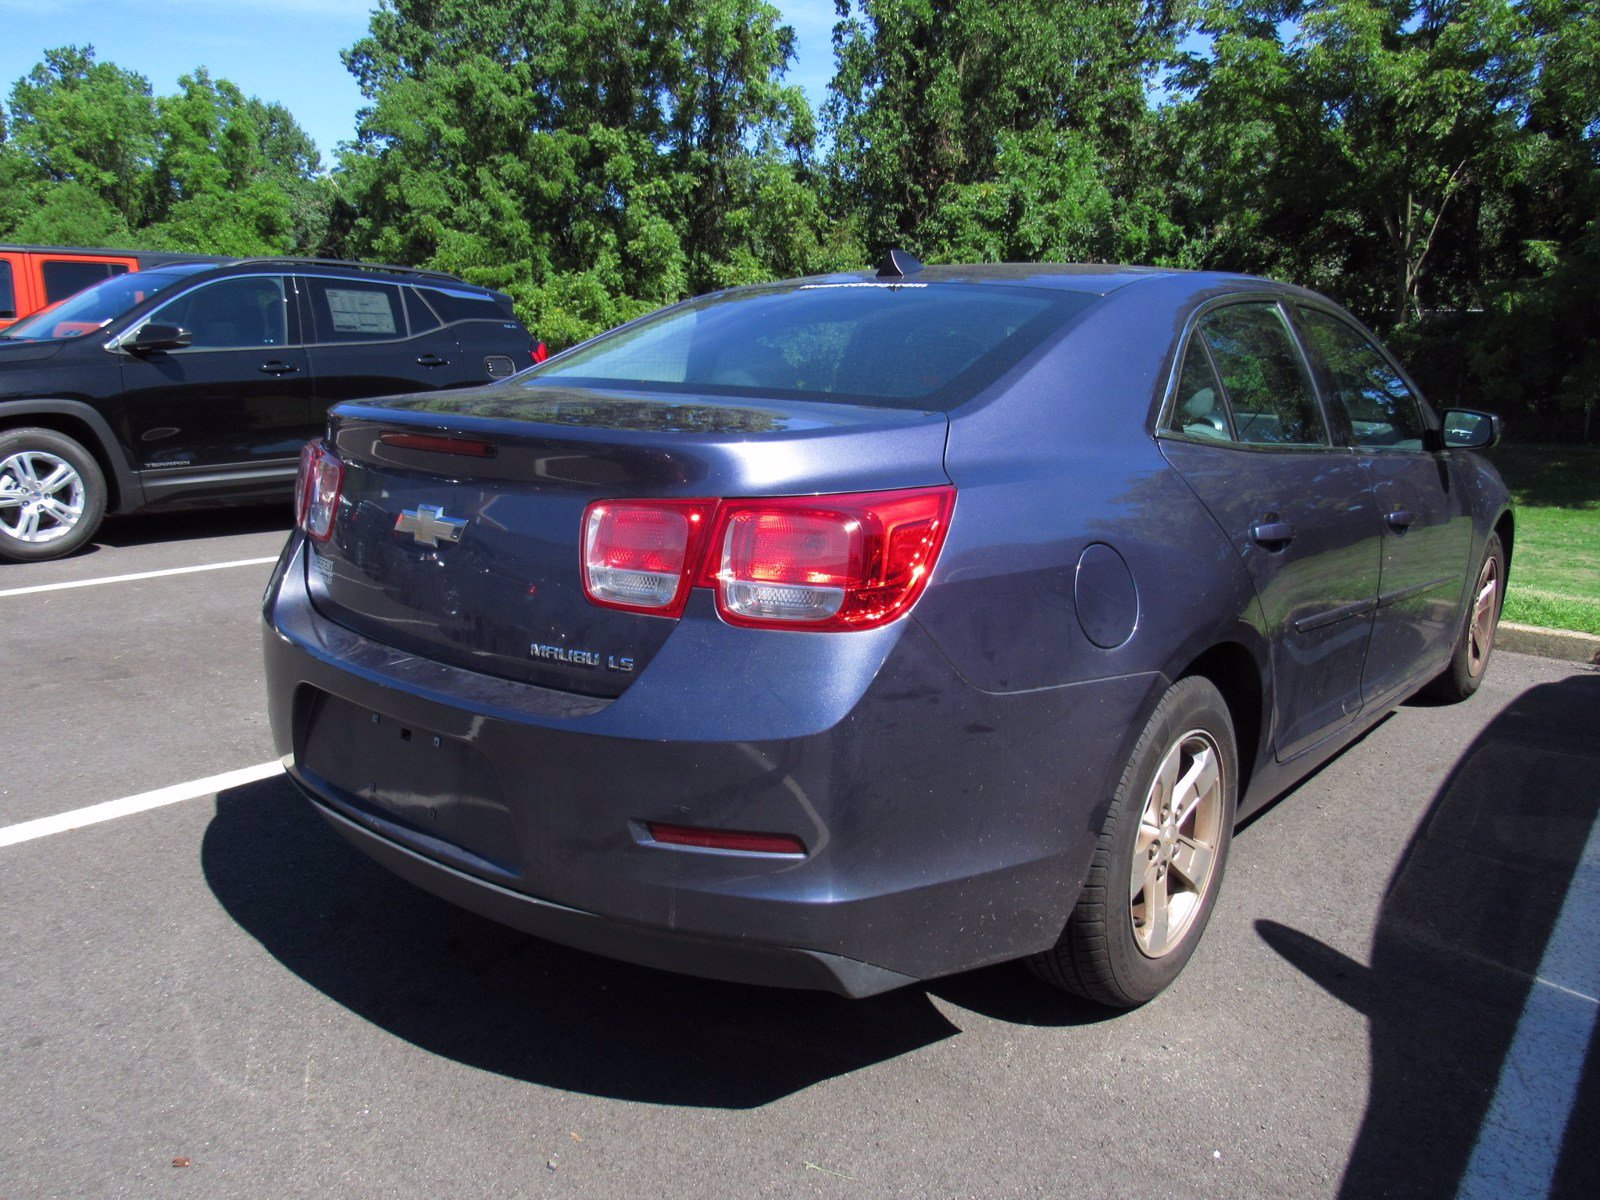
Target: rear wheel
[52, 495]
[1159, 862]
[1474, 643]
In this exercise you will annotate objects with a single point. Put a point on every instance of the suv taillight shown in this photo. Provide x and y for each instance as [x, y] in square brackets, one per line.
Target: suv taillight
[317, 494]
[854, 561]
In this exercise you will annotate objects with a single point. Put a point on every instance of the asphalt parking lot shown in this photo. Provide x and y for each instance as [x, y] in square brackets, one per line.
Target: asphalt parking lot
[216, 997]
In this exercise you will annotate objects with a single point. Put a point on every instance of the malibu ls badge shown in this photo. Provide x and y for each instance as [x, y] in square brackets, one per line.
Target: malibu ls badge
[428, 525]
[580, 658]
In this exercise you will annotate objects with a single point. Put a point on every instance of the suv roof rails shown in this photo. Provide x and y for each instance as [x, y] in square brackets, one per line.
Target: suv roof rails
[345, 262]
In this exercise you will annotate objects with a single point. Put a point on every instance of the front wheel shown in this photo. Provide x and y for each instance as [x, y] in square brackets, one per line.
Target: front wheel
[52, 495]
[1158, 865]
[1470, 659]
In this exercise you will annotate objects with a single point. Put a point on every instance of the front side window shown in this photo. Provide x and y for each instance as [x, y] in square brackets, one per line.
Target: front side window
[1382, 409]
[8, 295]
[353, 310]
[231, 313]
[1267, 384]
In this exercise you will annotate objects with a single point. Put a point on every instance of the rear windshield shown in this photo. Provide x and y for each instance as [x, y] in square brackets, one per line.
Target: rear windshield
[901, 345]
[97, 306]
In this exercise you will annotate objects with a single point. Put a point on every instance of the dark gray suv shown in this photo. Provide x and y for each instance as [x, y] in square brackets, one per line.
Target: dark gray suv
[198, 383]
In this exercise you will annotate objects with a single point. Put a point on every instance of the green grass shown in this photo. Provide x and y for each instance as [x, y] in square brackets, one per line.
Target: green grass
[1555, 565]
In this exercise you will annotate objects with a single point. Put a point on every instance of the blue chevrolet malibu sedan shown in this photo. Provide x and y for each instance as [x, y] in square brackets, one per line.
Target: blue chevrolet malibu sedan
[853, 631]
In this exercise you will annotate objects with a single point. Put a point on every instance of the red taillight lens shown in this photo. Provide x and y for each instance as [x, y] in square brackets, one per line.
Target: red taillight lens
[317, 497]
[540, 352]
[725, 839]
[828, 562]
[853, 561]
[639, 555]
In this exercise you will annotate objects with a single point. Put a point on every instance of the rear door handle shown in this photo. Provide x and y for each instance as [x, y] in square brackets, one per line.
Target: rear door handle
[275, 367]
[1272, 534]
[1400, 520]
[432, 360]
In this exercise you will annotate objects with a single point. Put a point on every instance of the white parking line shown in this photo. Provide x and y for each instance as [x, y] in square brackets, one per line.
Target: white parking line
[1519, 1145]
[26, 831]
[78, 583]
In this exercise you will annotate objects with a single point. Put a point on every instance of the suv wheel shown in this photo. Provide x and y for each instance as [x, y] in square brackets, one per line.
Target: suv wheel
[52, 495]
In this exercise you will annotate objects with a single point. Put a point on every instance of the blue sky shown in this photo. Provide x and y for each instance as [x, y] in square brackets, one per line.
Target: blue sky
[286, 51]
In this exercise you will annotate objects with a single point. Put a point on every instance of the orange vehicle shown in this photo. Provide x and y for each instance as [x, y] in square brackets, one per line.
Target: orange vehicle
[35, 277]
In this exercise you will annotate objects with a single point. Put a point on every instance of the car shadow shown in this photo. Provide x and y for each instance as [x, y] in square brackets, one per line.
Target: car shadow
[1459, 938]
[143, 529]
[491, 997]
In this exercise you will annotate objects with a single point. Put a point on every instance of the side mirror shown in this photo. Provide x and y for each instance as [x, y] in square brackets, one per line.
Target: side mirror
[158, 337]
[1466, 429]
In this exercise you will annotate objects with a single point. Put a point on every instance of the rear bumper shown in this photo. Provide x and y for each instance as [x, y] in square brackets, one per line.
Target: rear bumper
[946, 828]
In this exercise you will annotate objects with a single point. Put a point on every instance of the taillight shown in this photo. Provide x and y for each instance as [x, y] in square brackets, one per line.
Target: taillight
[317, 494]
[639, 555]
[539, 351]
[854, 561]
[828, 562]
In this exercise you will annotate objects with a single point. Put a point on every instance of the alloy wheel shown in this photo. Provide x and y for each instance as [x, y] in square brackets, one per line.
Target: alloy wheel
[1175, 853]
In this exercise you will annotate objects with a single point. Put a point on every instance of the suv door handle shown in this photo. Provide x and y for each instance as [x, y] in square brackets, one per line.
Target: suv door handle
[432, 360]
[1400, 519]
[1274, 535]
[278, 367]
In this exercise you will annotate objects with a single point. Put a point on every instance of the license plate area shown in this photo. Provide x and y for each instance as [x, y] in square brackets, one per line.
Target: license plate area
[409, 775]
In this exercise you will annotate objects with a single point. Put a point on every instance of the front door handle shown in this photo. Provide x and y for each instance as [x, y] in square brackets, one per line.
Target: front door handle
[1274, 535]
[432, 360]
[276, 367]
[1400, 519]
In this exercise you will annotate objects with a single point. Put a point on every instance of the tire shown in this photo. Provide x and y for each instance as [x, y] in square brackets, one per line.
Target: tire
[52, 495]
[1116, 949]
[1469, 661]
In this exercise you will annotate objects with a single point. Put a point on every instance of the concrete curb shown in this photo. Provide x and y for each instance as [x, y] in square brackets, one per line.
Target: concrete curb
[1548, 643]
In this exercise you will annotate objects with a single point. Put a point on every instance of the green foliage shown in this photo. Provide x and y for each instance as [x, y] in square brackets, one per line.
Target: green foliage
[966, 129]
[594, 158]
[92, 157]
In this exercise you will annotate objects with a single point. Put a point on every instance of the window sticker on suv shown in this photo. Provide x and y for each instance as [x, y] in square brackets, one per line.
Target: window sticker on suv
[364, 312]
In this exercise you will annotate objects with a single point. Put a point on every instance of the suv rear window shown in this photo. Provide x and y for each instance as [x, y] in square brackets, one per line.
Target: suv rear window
[8, 296]
[905, 345]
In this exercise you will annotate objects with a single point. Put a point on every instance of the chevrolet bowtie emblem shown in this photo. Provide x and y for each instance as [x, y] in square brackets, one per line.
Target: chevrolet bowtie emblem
[428, 524]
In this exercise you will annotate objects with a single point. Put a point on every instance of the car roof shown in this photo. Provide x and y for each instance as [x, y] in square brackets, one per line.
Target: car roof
[1094, 278]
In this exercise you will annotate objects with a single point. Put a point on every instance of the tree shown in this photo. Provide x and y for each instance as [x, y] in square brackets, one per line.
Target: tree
[595, 158]
[969, 129]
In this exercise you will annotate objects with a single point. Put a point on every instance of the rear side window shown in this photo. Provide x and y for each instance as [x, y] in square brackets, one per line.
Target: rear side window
[1199, 410]
[353, 310]
[1267, 385]
[1382, 409]
[8, 294]
[422, 317]
[453, 305]
[907, 345]
[67, 277]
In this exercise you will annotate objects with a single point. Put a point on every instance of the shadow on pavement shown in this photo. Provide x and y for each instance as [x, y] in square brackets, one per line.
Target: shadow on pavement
[463, 987]
[1460, 935]
[142, 529]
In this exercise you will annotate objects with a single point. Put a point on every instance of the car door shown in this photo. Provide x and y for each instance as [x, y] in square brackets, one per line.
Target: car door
[238, 395]
[1426, 527]
[1246, 431]
[373, 338]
